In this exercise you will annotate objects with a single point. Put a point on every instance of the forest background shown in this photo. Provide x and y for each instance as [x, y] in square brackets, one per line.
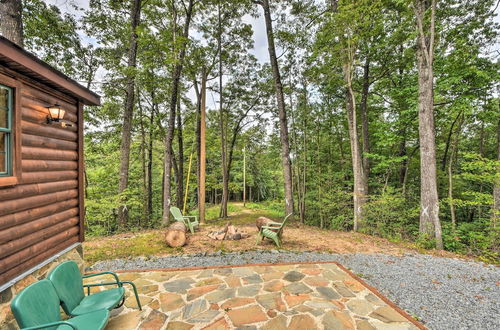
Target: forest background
[354, 80]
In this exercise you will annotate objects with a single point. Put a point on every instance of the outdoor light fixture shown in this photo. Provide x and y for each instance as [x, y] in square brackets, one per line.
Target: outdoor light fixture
[56, 113]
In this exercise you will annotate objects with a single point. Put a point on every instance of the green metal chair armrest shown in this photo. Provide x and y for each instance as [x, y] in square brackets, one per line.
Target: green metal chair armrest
[99, 284]
[119, 283]
[88, 286]
[52, 324]
[102, 273]
[103, 284]
[269, 227]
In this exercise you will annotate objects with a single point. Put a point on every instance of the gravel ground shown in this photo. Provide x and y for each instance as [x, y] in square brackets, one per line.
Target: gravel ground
[442, 293]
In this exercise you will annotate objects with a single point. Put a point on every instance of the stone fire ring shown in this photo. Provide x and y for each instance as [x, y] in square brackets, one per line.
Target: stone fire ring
[309, 295]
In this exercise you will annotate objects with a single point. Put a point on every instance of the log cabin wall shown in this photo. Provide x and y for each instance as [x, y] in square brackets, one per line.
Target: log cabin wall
[42, 214]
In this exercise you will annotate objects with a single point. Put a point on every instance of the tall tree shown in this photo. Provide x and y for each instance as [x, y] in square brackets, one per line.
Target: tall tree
[222, 120]
[180, 54]
[280, 98]
[180, 158]
[425, 14]
[11, 22]
[135, 17]
[353, 23]
[202, 143]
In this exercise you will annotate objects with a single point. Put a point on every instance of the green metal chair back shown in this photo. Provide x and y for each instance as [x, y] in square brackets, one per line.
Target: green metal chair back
[176, 213]
[37, 304]
[68, 283]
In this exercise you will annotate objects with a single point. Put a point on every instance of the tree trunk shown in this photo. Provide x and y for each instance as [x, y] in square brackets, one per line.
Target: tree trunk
[454, 151]
[430, 224]
[198, 138]
[201, 189]
[11, 21]
[244, 176]
[299, 183]
[333, 5]
[359, 195]
[171, 119]
[365, 133]
[143, 164]
[481, 153]
[448, 142]
[401, 153]
[149, 209]
[135, 17]
[222, 125]
[318, 174]
[180, 159]
[495, 213]
[285, 147]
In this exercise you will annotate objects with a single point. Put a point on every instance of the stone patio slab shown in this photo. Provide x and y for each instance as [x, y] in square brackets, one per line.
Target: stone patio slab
[285, 296]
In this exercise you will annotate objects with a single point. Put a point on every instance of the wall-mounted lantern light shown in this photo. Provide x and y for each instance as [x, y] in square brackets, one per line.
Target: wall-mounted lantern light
[56, 113]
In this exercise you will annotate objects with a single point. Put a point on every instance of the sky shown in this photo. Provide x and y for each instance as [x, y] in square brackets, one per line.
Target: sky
[259, 36]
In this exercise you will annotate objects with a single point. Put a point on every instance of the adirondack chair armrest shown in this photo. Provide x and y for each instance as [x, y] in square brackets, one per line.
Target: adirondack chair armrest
[269, 227]
[103, 273]
[190, 216]
[52, 324]
[273, 224]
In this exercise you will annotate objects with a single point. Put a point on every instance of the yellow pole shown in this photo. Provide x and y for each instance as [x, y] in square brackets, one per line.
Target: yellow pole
[187, 182]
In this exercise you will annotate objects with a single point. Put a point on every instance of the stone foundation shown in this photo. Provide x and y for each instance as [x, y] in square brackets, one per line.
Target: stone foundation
[7, 320]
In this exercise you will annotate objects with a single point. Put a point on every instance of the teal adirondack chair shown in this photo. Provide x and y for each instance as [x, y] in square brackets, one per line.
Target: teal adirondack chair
[37, 307]
[68, 283]
[272, 230]
[184, 218]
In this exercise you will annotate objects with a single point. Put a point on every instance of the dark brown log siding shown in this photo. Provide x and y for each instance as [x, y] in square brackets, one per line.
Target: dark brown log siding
[41, 215]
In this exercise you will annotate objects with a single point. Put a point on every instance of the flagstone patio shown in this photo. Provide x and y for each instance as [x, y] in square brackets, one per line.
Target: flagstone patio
[298, 296]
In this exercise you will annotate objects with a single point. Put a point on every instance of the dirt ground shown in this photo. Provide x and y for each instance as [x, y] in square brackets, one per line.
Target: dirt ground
[296, 237]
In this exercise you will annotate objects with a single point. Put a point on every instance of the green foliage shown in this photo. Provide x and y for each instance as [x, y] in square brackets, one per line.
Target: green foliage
[375, 40]
[472, 239]
[390, 215]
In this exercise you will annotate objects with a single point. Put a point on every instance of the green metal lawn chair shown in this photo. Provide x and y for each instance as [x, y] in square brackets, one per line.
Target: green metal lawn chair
[68, 283]
[272, 230]
[37, 307]
[184, 218]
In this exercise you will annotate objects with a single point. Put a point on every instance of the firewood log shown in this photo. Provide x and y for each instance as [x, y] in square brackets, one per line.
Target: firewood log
[176, 234]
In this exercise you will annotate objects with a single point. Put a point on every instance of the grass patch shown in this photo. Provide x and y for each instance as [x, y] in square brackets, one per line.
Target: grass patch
[212, 212]
[273, 209]
[144, 244]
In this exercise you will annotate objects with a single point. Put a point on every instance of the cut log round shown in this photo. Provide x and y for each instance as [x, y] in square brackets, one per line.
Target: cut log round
[176, 234]
[177, 225]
